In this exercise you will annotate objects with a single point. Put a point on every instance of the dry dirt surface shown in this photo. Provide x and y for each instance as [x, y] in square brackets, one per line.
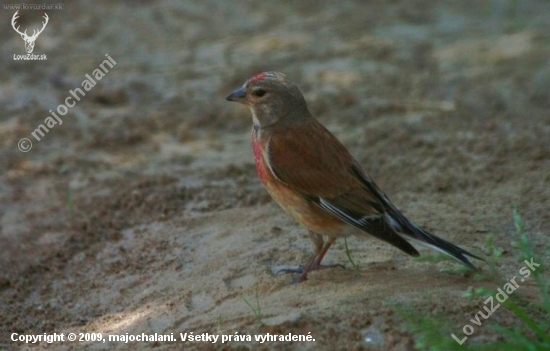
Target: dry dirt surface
[142, 212]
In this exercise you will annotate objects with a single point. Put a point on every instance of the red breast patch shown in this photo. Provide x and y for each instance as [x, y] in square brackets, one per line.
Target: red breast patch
[260, 167]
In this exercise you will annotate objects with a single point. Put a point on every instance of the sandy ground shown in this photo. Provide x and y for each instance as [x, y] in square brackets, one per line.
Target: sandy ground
[142, 212]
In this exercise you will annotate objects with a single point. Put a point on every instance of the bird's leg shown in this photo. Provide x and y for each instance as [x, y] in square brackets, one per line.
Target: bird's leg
[315, 263]
[317, 247]
[320, 249]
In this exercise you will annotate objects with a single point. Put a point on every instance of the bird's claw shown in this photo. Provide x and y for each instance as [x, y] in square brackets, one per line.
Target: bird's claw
[277, 270]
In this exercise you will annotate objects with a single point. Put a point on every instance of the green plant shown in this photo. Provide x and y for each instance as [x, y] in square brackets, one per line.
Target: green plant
[219, 322]
[532, 318]
[494, 252]
[349, 256]
[256, 310]
[522, 243]
[431, 333]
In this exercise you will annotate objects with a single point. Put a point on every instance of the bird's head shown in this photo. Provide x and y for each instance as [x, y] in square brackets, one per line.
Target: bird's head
[271, 98]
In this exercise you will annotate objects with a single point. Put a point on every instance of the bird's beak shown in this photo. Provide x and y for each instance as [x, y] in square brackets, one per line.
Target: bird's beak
[236, 95]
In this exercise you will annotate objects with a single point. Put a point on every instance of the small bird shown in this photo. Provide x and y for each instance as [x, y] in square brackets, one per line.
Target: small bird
[314, 178]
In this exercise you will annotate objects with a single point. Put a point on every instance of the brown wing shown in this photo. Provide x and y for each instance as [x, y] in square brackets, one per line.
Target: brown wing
[309, 159]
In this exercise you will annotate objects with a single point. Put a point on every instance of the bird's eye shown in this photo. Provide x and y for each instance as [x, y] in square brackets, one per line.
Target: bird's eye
[259, 92]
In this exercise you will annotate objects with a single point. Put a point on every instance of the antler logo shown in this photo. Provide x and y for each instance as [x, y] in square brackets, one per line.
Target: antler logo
[29, 40]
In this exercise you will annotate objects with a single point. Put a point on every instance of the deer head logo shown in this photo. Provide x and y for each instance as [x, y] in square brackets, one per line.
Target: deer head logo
[29, 40]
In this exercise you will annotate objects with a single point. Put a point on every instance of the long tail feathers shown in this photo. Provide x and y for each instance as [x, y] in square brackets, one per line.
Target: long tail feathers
[424, 238]
[406, 229]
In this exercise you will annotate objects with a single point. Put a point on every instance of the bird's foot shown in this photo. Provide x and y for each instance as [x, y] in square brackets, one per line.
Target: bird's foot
[277, 270]
[302, 270]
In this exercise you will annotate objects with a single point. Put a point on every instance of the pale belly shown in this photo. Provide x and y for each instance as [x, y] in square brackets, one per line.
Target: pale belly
[307, 213]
